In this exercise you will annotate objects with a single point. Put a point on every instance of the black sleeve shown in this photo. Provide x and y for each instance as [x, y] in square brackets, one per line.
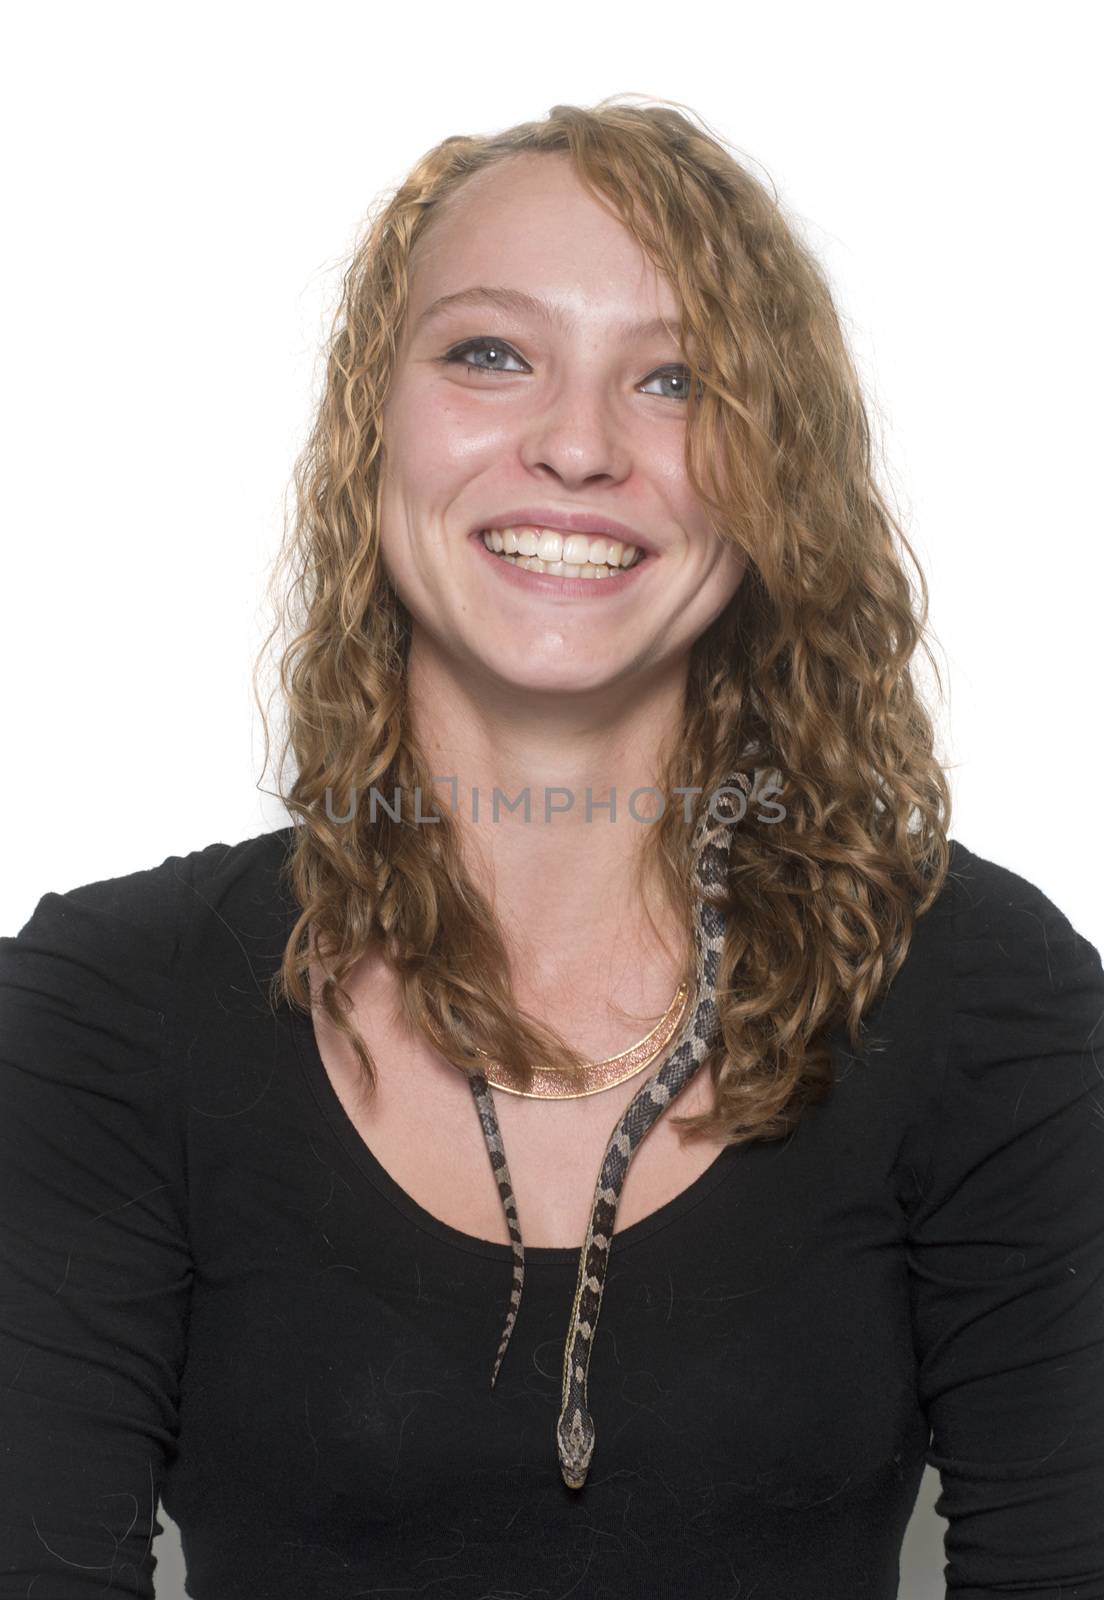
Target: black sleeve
[1006, 1253]
[95, 1270]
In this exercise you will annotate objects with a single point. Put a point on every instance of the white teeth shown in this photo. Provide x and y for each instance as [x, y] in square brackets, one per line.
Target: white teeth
[571, 555]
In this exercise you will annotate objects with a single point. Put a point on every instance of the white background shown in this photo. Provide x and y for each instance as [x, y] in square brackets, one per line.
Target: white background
[184, 184]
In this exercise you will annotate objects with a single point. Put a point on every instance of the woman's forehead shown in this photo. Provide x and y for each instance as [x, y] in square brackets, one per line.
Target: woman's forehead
[529, 227]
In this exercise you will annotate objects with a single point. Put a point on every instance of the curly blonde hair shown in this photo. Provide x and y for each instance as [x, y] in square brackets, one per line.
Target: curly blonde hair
[807, 675]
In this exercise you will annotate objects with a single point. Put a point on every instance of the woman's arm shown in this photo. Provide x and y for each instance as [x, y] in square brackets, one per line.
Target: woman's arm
[95, 1268]
[1006, 1252]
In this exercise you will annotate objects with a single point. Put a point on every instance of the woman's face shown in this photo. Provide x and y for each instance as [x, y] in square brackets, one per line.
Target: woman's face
[551, 404]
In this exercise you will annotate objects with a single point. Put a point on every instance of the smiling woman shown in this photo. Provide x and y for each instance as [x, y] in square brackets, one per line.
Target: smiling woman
[324, 1150]
[586, 403]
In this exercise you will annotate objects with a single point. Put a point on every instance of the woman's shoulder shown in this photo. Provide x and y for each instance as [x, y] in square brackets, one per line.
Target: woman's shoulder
[107, 953]
[976, 883]
[997, 980]
[1004, 925]
[1011, 996]
[142, 910]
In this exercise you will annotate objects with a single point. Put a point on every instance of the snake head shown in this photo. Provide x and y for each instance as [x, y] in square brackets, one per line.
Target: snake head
[575, 1442]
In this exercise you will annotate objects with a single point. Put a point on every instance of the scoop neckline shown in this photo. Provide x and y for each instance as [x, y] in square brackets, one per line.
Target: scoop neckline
[341, 1124]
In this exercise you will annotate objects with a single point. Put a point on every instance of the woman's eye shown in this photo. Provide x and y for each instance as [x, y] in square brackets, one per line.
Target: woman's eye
[492, 348]
[671, 378]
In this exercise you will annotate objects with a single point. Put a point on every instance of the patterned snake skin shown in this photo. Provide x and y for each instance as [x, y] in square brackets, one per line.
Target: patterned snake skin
[575, 1432]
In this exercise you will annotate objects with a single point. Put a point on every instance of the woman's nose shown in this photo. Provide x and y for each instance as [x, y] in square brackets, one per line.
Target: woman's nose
[577, 436]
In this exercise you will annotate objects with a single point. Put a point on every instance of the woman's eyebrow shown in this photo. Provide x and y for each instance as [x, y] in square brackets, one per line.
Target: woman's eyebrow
[520, 302]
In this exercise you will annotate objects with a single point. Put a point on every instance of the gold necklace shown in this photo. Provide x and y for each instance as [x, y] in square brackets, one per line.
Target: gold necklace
[593, 1076]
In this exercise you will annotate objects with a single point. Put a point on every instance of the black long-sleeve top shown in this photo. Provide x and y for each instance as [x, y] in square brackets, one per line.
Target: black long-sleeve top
[211, 1290]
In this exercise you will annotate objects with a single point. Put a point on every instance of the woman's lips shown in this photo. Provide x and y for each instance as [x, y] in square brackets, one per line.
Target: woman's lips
[552, 584]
